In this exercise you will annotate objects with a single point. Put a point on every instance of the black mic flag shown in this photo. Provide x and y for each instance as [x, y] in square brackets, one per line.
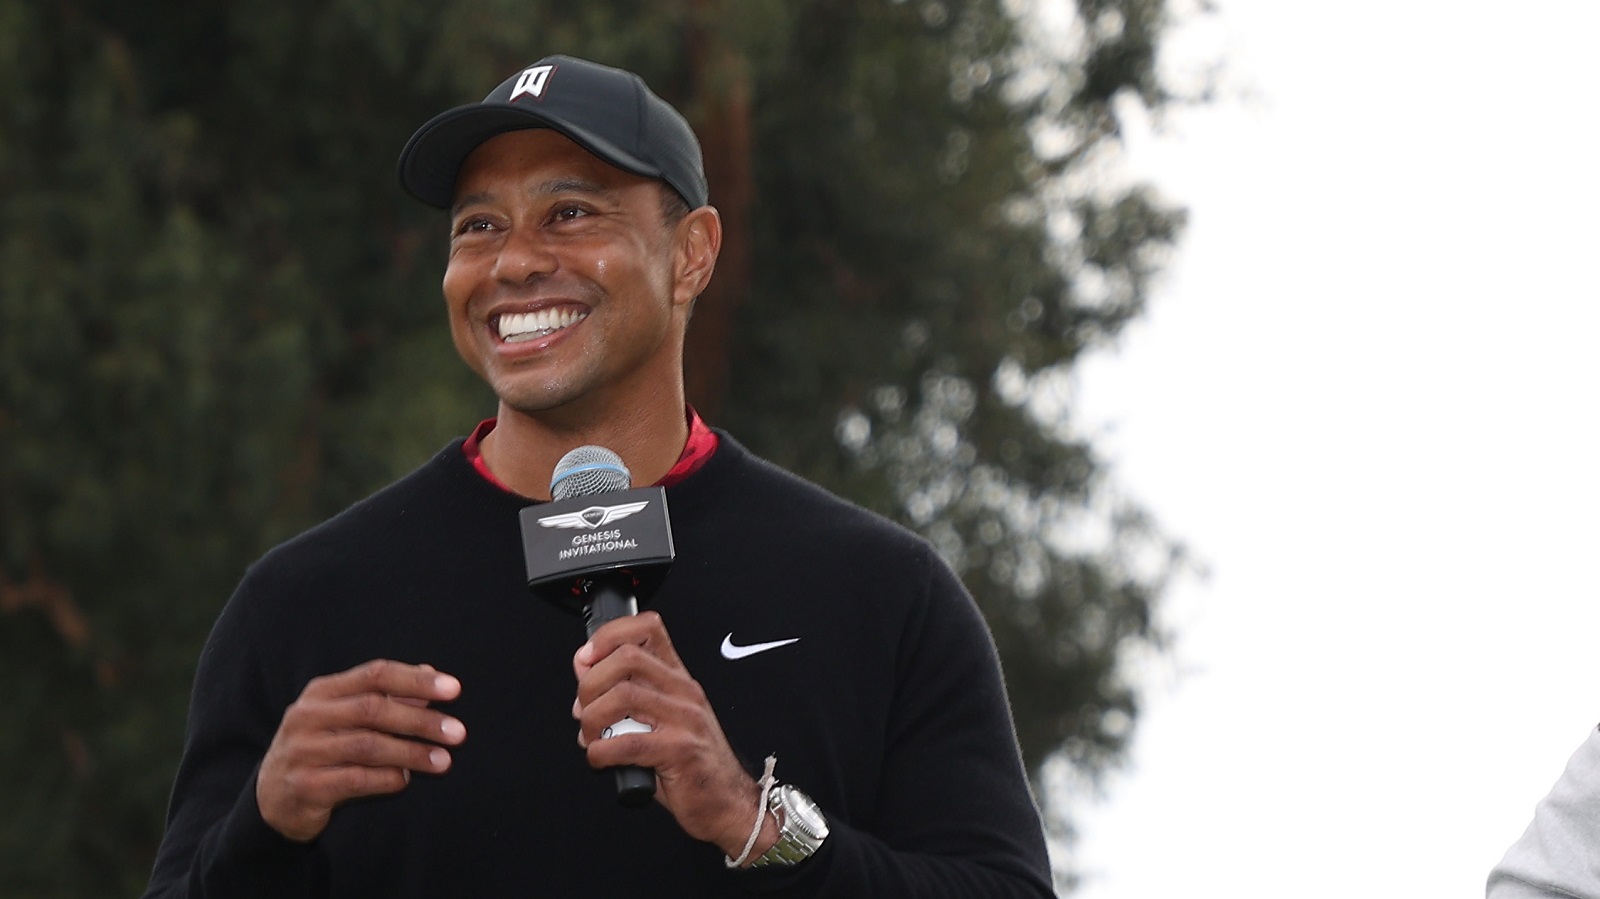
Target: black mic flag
[592, 538]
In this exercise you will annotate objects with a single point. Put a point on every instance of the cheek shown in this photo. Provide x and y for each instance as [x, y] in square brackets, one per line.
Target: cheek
[459, 284]
[457, 290]
[454, 287]
[466, 346]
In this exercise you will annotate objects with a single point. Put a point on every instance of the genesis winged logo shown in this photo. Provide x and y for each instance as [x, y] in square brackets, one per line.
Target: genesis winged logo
[592, 517]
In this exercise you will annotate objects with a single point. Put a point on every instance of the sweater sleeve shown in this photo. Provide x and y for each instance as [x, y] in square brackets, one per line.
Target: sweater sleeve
[956, 817]
[1556, 857]
[216, 843]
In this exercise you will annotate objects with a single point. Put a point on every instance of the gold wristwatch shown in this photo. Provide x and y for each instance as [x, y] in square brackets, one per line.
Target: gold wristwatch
[801, 828]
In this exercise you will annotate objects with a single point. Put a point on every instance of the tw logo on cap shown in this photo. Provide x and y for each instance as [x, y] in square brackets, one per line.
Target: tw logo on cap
[531, 82]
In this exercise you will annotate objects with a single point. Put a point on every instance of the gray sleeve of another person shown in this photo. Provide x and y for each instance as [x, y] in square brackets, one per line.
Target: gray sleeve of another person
[1559, 854]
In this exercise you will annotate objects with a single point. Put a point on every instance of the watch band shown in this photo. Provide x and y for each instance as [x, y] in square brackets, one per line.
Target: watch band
[801, 828]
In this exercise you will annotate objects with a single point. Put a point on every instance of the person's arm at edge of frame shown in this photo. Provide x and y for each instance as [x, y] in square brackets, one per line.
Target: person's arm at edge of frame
[1559, 853]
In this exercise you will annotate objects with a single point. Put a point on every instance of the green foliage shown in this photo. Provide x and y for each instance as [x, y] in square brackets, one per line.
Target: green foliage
[219, 323]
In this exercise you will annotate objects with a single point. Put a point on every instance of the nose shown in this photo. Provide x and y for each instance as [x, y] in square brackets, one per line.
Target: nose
[524, 256]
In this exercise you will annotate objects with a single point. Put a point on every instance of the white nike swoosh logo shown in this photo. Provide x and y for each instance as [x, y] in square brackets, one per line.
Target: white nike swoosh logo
[730, 651]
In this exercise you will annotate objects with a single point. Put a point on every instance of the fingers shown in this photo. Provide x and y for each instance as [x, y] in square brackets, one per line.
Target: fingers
[357, 715]
[644, 630]
[627, 669]
[392, 678]
[632, 682]
[374, 699]
[383, 714]
[360, 732]
[670, 711]
[297, 795]
[626, 683]
[632, 648]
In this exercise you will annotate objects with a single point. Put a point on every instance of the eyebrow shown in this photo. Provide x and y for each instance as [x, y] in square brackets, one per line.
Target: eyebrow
[553, 186]
[572, 185]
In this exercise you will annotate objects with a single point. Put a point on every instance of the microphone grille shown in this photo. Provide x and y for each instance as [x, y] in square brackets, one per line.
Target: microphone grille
[588, 470]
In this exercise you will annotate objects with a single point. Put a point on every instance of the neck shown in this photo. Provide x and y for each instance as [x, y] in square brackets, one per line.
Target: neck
[523, 448]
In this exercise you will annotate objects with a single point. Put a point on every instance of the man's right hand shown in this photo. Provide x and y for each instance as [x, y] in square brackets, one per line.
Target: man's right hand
[360, 732]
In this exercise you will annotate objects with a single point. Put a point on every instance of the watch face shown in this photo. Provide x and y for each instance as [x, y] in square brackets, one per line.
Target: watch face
[801, 831]
[805, 814]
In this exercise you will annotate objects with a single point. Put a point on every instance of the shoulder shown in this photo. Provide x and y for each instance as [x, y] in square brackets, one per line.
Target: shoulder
[440, 498]
[742, 491]
[754, 522]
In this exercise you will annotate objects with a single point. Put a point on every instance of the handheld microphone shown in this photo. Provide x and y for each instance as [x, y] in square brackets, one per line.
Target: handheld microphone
[598, 562]
[590, 471]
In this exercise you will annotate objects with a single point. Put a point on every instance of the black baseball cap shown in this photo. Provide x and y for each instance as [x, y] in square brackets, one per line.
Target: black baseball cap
[607, 111]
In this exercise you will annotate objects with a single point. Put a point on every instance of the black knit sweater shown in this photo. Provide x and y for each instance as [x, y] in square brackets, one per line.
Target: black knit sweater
[889, 711]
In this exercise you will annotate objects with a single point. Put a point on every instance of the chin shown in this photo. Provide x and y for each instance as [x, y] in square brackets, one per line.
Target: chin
[530, 399]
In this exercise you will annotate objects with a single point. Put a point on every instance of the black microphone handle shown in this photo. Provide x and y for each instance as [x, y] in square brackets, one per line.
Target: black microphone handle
[611, 597]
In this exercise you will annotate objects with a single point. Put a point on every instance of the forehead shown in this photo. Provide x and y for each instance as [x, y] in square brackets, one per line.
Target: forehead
[540, 154]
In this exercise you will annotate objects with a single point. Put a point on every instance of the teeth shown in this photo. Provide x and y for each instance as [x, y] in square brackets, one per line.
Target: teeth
[520, 326]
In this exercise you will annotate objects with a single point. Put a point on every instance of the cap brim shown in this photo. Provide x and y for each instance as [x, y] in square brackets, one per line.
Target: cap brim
[433, 156]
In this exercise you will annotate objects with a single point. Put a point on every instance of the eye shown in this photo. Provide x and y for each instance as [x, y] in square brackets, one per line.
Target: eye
[568, 212]
[473, 225]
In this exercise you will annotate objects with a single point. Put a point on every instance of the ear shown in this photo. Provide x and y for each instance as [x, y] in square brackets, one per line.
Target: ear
[699, 240]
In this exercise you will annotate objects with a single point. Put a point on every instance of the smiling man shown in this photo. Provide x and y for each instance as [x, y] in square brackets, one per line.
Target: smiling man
[384, 709]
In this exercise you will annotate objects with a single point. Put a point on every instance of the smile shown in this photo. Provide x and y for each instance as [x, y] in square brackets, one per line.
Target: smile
[519, 326]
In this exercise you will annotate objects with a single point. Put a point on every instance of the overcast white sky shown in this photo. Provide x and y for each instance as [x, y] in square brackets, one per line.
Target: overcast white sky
[1365, 395]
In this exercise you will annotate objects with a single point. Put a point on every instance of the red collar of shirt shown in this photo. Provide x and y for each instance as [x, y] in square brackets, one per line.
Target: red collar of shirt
[697, 451]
